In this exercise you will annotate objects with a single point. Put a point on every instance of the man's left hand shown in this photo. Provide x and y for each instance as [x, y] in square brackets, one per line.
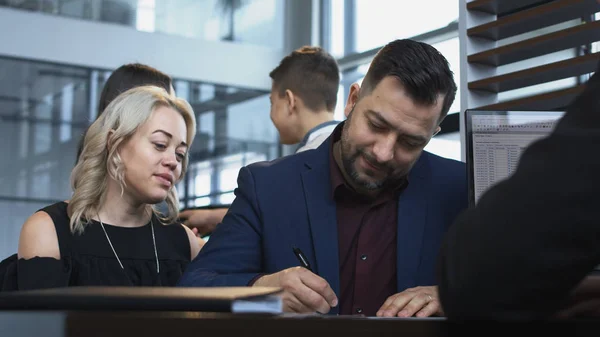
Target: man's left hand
[418, 301]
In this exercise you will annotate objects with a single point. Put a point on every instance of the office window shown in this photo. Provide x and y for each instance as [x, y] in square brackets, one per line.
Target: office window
[450, 50]
[381, 21]
[66, 113]
[258, 22]
[145, 15]
[342, 96]
[336, 39]
[446, 145]
[371, 24]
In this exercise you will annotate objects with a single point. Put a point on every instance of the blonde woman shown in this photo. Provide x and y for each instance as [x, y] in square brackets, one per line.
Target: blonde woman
[109, 233]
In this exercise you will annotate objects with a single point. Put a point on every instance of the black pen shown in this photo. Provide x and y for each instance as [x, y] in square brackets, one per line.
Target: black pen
[303, 260]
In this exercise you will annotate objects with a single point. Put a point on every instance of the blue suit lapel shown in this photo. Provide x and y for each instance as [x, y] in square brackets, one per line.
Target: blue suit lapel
[322, 217]
[412, 217]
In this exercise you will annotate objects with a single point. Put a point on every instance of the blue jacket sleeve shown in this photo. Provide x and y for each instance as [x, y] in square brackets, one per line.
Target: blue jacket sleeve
[233, 255]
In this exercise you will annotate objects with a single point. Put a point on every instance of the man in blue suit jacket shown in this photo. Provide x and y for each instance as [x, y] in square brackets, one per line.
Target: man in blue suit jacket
[368, 207]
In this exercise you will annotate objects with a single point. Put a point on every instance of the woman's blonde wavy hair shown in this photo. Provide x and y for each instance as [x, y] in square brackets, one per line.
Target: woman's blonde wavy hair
[100, 159]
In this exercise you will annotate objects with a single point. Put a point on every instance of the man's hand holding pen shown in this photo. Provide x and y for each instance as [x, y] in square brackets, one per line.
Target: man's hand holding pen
[304, 291]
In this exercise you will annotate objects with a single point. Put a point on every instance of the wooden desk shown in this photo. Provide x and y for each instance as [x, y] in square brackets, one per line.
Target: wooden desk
[196, 324]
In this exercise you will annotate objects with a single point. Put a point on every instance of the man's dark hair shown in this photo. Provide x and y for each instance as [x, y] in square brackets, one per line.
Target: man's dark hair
[124, 78]
[312, 74]
[423, 71]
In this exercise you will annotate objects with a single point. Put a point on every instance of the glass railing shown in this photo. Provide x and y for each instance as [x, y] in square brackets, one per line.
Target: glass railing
[258, 22]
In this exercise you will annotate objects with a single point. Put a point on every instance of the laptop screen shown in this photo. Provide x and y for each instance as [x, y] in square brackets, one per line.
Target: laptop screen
[495, 141]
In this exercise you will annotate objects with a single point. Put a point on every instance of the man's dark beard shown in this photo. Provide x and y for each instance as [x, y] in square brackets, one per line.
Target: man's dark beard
[349, 159]
[355, 176]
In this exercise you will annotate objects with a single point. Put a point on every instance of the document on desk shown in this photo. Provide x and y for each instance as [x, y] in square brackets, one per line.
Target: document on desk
[431, 318]
[264, 304]
[208, 299]
[357, 317]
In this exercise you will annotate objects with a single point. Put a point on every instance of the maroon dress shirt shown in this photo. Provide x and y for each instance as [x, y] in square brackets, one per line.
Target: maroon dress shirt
[367, 230]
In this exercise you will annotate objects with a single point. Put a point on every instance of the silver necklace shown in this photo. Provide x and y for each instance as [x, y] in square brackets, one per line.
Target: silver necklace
[115, 252]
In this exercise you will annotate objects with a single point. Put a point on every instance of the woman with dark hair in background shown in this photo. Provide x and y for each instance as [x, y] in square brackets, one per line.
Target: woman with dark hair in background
[126, 77]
